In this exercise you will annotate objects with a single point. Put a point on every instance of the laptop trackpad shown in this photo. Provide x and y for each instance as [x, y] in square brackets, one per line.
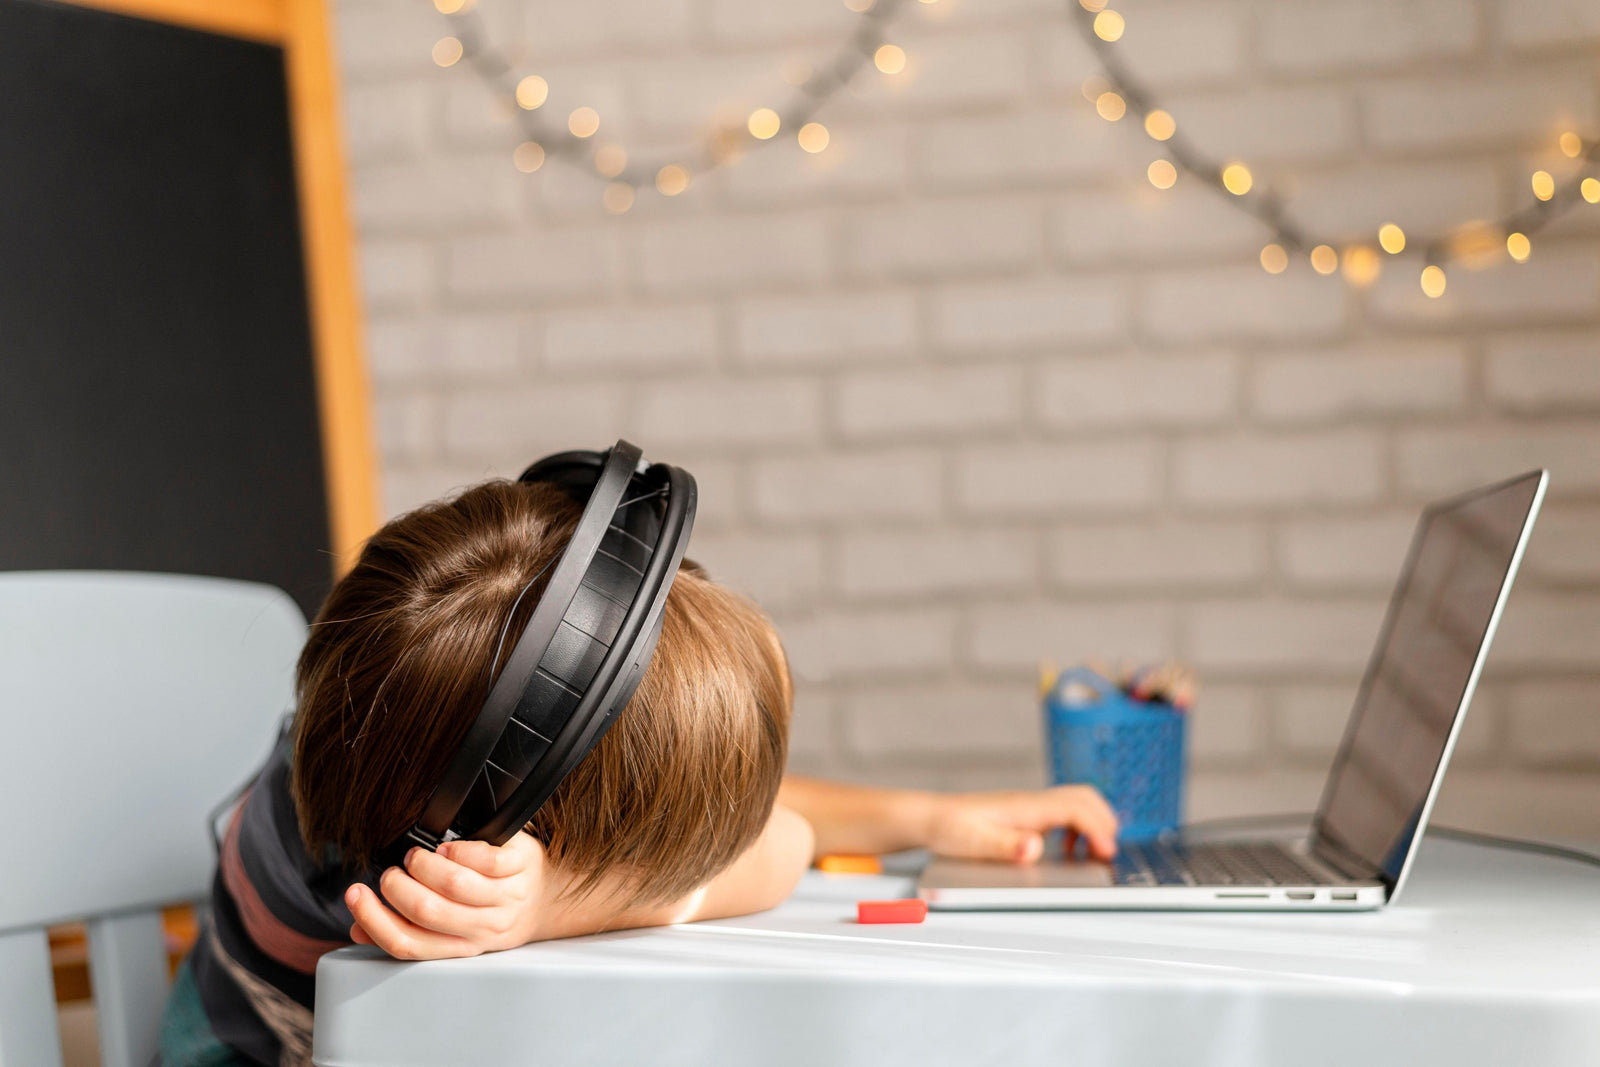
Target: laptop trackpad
[1047, 874]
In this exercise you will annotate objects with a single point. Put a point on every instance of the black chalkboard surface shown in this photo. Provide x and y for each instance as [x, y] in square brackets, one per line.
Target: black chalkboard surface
[158, 406]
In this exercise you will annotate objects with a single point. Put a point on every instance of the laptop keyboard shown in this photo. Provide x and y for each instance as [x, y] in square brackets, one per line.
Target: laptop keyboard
[1158, 863]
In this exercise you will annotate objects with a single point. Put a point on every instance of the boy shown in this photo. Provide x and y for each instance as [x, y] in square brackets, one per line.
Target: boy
[681, 813]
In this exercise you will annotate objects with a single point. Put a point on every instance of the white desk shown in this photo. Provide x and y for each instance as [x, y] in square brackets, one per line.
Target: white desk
[1489, 958]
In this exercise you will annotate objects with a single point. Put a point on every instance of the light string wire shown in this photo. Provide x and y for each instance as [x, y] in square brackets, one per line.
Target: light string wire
[1102, 27]
[725, 144]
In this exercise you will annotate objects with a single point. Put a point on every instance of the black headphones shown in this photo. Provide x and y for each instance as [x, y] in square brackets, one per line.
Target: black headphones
[583, 651]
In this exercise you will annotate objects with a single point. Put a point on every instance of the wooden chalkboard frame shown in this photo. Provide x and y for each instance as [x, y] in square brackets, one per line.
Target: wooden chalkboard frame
[300, 28]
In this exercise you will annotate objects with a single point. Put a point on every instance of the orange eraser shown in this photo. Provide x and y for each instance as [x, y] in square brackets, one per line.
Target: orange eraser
[891, 911]
[840, 864]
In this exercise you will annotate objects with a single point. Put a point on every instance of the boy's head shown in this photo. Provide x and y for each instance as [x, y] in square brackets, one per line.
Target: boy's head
[397, 667]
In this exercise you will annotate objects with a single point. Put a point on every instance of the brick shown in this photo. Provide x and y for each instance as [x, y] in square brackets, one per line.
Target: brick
[641, 338]
[386, 38]
[1242, 301]
[873, 405]
[396, 274]
[1178, 43]
[682, 96]
[1556, 722]
[1543, 372]
[1287, 123]
[453, 349]
[860, 161]
[1021, 635]
[1030, 147]
[518, 425]
[721, 255]
[1335, 34]
[1552, 22]
[942, 561]
[1123, 476]
[474, 116]
[1435, 461]
[1565, 546]
[385, 121]
[1138, 222]
[948, 71]
[834, 328]
[1227, 726]
[778, 571]
[1030, 313]
[1357, 198]
[839, 644]
[1337, 467]
[1548, 631]
[1557, 282]
[811, 731]
[903, 483]
[408, 425]
[1357, 553]
[721, 412]
[1483, 108]
[1269, 637]
[955, 721]
[618, 26]
[407, 486]
[720, 498]
[1311, 719]
[1173, 555]
[539, 265]
[1097, 392]
[436, 194]
[933, 238]
[1415, 378]
[743, 22]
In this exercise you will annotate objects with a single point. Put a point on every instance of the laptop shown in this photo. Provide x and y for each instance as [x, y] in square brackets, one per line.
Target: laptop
[1384, 779]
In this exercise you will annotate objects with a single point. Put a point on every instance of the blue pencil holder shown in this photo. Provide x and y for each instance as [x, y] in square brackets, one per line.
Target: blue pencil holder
[1133, 751]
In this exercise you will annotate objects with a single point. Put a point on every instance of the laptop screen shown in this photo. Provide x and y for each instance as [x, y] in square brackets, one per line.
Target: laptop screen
[1416, 686]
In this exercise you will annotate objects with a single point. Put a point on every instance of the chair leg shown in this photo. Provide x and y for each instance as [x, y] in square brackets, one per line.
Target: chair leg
[29, 1033]
[128, 968]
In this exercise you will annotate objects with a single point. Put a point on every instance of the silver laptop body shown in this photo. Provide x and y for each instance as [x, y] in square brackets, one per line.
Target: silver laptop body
[1375, 803]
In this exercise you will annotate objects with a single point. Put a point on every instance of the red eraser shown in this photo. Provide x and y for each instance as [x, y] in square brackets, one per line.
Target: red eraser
[891, 911]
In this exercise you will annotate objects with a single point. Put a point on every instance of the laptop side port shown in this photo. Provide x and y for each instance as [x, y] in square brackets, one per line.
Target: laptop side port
[1344, 896]
[1300, 894]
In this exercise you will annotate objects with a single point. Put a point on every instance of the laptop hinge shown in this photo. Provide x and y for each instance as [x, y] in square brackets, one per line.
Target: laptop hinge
[1347, 863]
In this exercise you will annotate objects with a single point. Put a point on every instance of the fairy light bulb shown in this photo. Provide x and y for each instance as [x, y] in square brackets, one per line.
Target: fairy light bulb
[618, 197]
[1432, 280]
[610, 159]
[1544, 186]
[1274, 260]
[1162, 174]
[1094, 7]
[1324, 260]
[447, 51]
[583, 122]
[889, 58]
[1362, 265]
[1108, 25]
[813, 137]
[1110, 106]
[1391, 238]
[1590, 190]
[1519, 247]
[1236, 178]
[672, 180]
[860, 7]
[448, 7]
[1160, 125]
[764, 124]
[1571, 145]
[532, 92]
[528, 156]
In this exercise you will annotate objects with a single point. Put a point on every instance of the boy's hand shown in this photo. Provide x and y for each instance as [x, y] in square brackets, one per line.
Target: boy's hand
[467, 898]
[1011, 826]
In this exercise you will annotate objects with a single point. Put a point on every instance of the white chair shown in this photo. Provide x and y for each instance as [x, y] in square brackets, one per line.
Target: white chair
[130, 705]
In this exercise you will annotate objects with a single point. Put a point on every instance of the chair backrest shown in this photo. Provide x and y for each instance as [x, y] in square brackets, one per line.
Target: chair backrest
[130, 706]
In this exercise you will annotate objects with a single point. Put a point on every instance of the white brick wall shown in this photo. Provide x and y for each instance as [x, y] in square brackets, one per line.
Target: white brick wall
[965, 392]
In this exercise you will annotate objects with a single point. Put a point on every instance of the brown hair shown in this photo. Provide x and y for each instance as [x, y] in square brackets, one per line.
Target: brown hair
[398, 664]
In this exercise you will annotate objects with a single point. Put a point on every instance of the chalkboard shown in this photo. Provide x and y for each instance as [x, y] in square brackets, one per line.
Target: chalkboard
[158, 397]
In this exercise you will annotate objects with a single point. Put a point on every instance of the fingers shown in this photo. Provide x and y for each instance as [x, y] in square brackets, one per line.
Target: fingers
[430, 910]
[985, 839]
[452, 880]
[1082, 810]
[495, 861]
[399, 937]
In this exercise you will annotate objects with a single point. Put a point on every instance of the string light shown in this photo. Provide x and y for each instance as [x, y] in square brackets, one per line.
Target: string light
[583, 122]
[448, 7]
[764, 124]
[532, 92]
[813, 137]
[1160, 125]
[1274, 260]
[618, 197]
[528, 156]
[860, 7]
[672, 180]
[1432, 280]
[1590, 189]
[1391, 238]
[1108, 25]
[447, 51]
[1236, 178]
[1571, 145]
[610, 159]
[1093, 86]
[1518, 246]
[1544, 186]
[889, 58]
[1361, 265]
[1110, 106]
[1324, 260]
[1094, 7]
[1162, 174]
